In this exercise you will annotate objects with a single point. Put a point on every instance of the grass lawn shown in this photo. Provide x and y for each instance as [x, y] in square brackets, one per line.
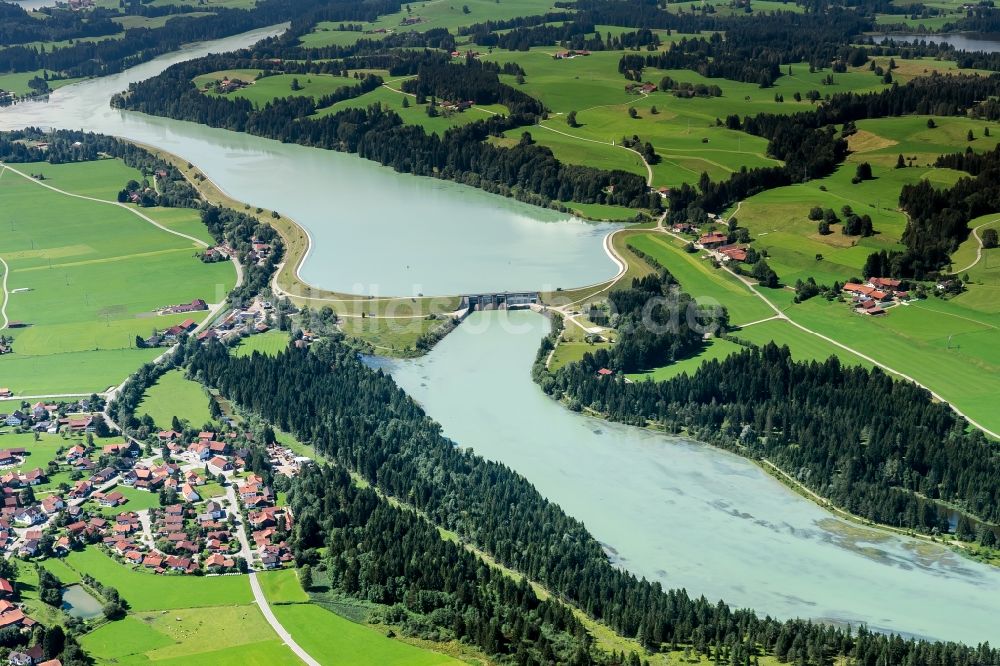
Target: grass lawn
[414, 114]
[137, 501]
[715, 349]
[175, 395]
[282, 587]
[270, 343]
[698, 278]
[601, 212]
[336, 641]
[570, 352]
[434, 14]
[226, 635]
[86, 279]
[943, 345]
[149, 592]
[130, 22]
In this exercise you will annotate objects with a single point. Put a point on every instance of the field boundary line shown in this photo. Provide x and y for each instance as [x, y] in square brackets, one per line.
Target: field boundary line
[649, 169]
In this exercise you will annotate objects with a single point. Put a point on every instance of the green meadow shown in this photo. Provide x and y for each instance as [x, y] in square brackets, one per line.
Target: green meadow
[778, 219]
[18, 82]
[233, 635]
[150, 592]
[431, 14]
[175, 395]
[270, 343]
[391, 98]
[86, 278]
[335, 641]
[698, 278]
[263, 90]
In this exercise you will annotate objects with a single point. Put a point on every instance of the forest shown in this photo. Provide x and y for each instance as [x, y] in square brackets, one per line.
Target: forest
[360, 419]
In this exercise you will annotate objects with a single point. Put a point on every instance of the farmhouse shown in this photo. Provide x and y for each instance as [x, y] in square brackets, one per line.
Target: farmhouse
[713, 239]
[734, 253]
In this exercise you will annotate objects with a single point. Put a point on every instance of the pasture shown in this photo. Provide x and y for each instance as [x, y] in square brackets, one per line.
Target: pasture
[150, 592]
[220, 635]
[270, 343]
[336, 641]
[426, 16]
[86, 279]
[265, 89]
[175, 395]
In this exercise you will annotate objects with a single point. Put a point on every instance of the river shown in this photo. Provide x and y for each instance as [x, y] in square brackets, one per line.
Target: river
[671, 510]
[686, 514]
[381, 233]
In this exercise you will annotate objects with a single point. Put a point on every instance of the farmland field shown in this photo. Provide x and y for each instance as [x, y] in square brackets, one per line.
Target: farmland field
[86, 279]
[174, 395]
[149, 592]
[336, 641]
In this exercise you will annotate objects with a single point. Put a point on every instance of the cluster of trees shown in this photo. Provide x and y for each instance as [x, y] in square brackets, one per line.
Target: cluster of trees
[434, 588]
[473, 81]
[526, 171]
[938, 219]
[17, 26]
[358, 417]
[752, 49]
[688, 89]
[239, 231]
[663, 323]
[570, 35]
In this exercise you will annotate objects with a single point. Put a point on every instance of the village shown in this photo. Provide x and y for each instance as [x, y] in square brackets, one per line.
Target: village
[180, 503]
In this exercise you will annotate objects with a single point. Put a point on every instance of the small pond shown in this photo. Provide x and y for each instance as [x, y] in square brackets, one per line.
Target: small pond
[79, 603]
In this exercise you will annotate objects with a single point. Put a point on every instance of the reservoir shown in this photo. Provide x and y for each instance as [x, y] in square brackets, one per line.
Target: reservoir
[378, 232]
[686, 514]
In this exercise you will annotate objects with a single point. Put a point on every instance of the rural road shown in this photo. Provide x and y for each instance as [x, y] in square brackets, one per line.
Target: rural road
[979, 250]
[246, 552]
[649, 169]
[258, 595]
[5, 294]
